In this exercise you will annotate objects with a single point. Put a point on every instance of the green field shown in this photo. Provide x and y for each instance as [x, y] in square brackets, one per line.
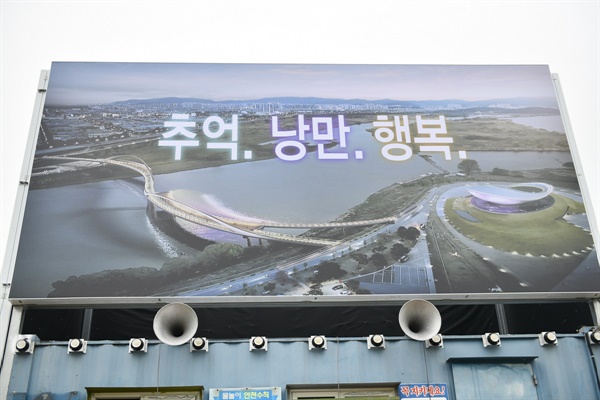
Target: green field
[539, 233]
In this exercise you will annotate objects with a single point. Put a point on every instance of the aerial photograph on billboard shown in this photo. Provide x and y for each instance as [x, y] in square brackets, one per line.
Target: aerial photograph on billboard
[155, 179]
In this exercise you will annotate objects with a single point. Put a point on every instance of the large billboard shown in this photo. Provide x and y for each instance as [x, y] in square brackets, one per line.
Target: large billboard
[273, 180]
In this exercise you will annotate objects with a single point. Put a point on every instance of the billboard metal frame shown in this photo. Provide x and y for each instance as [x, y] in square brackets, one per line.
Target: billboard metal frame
[268, 301]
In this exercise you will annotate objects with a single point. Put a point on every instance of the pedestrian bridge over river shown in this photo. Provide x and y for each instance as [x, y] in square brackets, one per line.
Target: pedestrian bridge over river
[181, 204]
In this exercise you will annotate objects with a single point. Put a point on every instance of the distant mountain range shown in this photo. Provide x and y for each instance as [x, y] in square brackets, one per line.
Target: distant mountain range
[515, 102]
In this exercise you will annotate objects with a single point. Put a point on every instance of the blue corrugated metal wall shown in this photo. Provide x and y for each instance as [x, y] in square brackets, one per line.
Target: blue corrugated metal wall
[565, 371]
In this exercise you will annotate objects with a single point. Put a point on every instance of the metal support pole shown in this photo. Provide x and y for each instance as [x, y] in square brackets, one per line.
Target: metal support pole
[9, 354]
[86, 329]
[501, 315]
[595, 306]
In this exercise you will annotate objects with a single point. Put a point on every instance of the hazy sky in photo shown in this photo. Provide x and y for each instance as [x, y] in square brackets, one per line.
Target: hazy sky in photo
[95, 83]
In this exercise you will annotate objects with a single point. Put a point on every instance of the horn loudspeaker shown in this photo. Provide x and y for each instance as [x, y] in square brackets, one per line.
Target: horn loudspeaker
[419, 319]
[175, 324]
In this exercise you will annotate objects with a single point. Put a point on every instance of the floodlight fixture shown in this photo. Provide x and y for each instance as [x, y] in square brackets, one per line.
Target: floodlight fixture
[491, 339]
[258, 343]
[138, 345]
[77, 346]
[376, 341]
[25, 344]
[435, 341]
[548, 338]
[317, 342]
[593, 337]
[199, 344]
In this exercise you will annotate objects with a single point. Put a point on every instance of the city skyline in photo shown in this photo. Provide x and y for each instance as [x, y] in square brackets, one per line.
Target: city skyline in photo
[100, 83]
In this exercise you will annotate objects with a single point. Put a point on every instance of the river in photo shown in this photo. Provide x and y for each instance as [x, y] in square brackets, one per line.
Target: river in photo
[81, 229]
[547, 122]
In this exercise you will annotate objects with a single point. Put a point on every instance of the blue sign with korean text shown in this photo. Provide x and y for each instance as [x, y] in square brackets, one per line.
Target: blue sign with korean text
[273, 393]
